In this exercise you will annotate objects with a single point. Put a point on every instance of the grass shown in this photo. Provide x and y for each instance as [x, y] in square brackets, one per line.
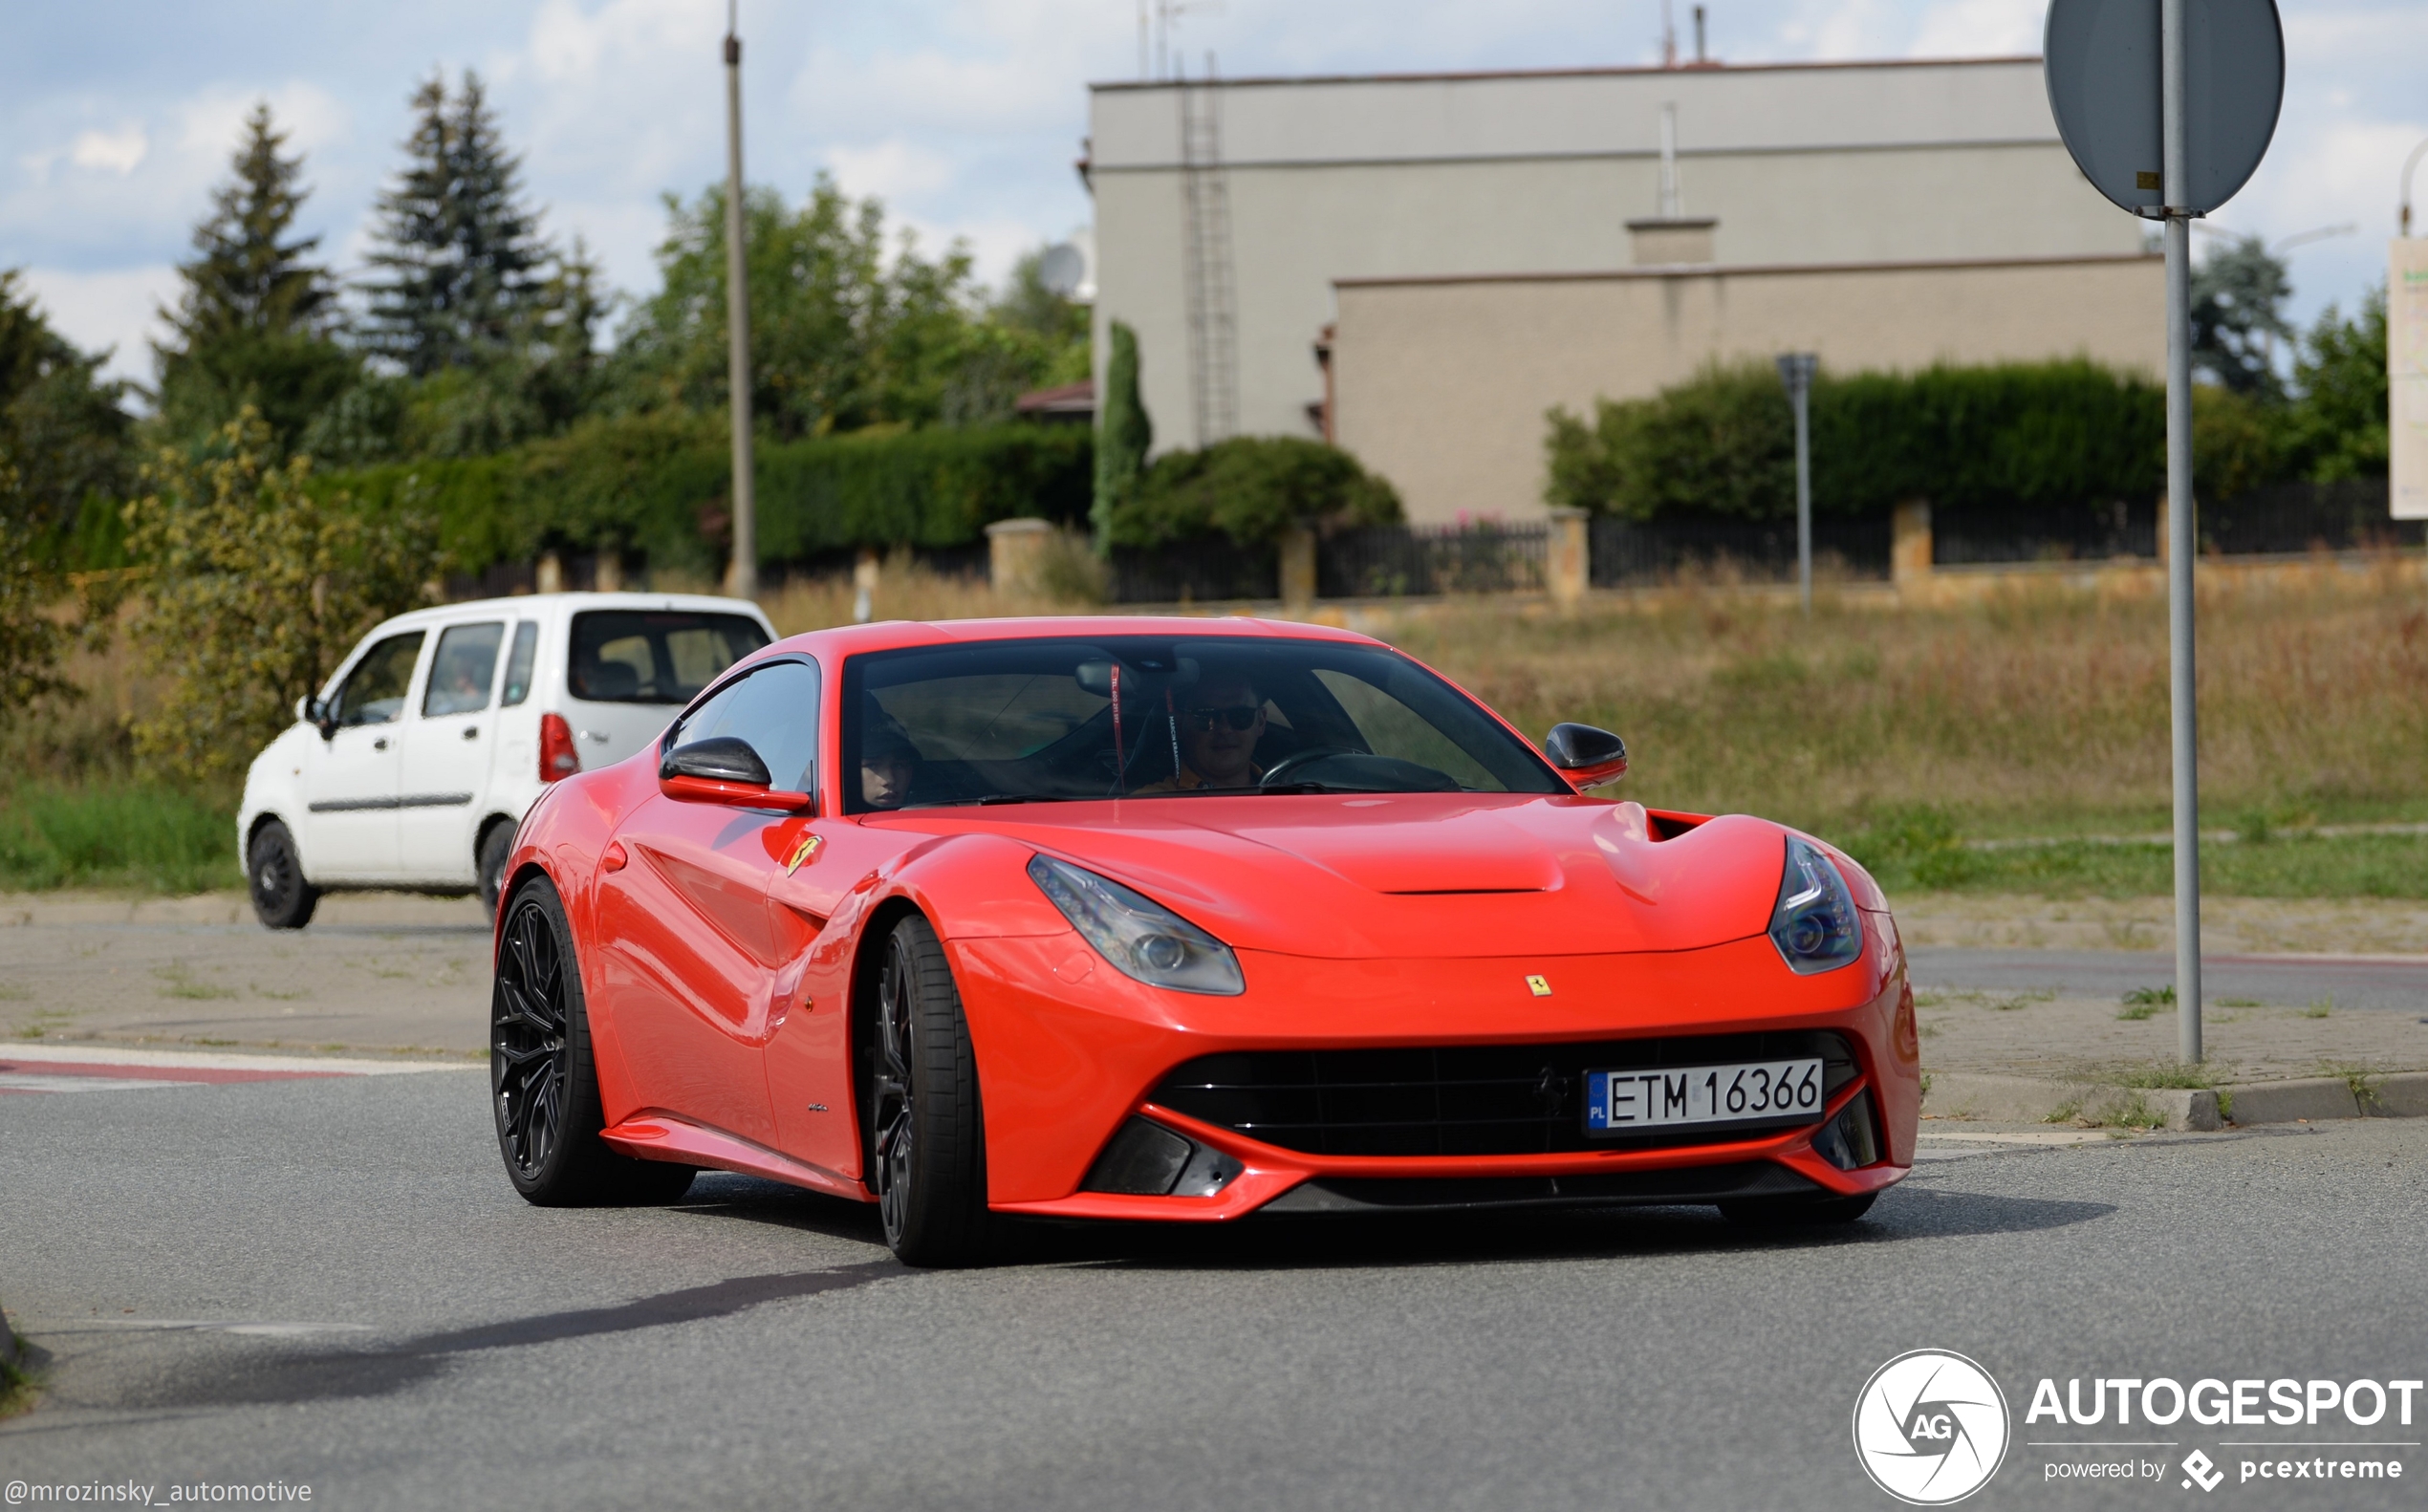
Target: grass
[120, 834]
[1903, 733]
[2142, 1002]
[19, 1386]
[2320, 1009]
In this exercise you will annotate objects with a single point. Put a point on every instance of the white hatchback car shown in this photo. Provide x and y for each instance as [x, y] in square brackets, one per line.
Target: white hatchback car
[414, 764]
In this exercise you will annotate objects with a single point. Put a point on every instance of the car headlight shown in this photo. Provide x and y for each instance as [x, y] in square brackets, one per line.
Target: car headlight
[1815, 925]
[1139, 936]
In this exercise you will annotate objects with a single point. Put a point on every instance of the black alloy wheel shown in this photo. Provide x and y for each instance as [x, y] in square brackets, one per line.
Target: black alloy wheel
[929, 1155]
[543, 1085]
[274, 874]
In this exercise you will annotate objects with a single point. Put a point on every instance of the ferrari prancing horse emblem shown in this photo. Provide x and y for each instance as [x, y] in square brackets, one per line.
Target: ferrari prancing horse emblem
[1540, 986]
[801, 853]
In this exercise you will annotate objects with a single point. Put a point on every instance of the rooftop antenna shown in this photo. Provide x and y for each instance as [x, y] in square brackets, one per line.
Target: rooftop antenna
[1673, 204]
[1143, 76]
[1668, 36]
[1169, 13]
[1702, 56]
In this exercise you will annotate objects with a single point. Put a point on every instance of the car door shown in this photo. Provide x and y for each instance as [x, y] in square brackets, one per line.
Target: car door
[690, 952]
[350, 779]
[448, 745]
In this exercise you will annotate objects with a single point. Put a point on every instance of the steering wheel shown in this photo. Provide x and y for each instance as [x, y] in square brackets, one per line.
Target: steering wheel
[1280, 773]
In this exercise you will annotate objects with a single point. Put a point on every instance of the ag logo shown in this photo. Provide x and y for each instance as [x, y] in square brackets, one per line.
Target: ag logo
[1930, 1427]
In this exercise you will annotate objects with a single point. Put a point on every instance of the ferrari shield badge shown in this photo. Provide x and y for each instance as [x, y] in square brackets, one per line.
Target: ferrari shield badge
[807, 847]
[1540, 986]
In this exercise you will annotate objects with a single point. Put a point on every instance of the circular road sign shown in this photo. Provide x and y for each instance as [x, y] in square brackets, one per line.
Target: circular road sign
[2102, 67]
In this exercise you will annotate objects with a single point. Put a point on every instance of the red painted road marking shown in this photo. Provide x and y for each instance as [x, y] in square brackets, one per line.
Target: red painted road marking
[213, 1075]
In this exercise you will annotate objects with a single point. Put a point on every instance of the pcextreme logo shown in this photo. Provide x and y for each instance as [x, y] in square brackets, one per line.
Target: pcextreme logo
[1930, 1427]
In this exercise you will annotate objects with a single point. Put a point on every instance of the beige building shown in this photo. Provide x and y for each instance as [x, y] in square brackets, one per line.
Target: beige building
[1441, 384]
[1225, 216]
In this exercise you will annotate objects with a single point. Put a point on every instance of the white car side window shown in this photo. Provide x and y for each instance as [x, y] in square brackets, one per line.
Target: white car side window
[463, 669]
[374, 690]
[519, 663]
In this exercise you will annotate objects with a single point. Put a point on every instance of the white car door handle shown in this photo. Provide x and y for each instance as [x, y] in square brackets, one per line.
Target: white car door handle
[379, 745]
[600, 735]
[471, 732]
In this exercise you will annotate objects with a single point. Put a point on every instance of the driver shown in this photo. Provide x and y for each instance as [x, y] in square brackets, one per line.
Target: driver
[1220, 722]
[888, 766]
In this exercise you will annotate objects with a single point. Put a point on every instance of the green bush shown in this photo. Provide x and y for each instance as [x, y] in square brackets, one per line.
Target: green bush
[2015, 434]
[1251, 489]
[657, 483]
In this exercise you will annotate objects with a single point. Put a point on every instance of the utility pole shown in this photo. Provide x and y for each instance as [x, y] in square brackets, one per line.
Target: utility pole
[1795, 371]
[741, 578]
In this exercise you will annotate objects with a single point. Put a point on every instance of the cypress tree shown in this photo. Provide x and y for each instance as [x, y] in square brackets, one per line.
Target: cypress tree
[256, 322]
[463, 257]
[1124, 432]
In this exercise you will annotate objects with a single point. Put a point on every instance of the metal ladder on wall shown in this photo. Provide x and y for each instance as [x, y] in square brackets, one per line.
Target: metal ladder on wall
[1207, 250]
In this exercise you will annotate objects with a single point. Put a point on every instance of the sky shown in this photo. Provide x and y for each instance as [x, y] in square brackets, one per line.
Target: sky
[118, 116]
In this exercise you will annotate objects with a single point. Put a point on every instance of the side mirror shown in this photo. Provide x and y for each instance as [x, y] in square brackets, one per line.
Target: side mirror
[1586, 756]
[724, 770]
[314, 710]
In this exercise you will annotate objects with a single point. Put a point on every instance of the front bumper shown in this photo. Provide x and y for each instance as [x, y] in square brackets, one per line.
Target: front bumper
[1068, 1048]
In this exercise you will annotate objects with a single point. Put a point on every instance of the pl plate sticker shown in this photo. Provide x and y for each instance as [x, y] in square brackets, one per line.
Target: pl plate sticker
[1930, 1427]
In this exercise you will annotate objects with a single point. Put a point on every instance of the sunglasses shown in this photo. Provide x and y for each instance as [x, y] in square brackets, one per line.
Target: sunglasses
[1239, 717]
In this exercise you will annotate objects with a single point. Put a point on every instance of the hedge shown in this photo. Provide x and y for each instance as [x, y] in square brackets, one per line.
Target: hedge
[2013, 435]
[657, 485]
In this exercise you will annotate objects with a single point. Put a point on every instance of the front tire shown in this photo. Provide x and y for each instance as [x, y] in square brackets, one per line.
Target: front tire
[274, 877]
[497, 845]
[543, 1080]
[929, 1162]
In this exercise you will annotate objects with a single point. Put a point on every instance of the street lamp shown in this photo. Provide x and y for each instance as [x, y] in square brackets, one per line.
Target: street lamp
[1795, 371]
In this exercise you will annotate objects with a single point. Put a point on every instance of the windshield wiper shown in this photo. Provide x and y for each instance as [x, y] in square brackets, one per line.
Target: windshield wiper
[990, 799]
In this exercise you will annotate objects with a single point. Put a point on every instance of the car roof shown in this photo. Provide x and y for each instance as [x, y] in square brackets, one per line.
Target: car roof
[531, 606]
[846, 641]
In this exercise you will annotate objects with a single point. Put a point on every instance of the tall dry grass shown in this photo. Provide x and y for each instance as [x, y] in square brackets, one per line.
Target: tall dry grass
[2041, 710]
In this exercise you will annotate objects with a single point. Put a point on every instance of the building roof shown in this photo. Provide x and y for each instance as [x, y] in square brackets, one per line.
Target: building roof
[1266, 80]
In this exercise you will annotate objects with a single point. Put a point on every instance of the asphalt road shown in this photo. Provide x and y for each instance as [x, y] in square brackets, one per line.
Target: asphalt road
[2394, 984]
[327, 1282]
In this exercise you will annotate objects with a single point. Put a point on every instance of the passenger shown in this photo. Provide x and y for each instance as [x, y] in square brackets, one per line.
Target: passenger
[889, 764]
[1222, 719]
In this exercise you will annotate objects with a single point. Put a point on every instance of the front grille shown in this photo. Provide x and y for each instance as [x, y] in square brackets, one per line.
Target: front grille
[1460, 1099]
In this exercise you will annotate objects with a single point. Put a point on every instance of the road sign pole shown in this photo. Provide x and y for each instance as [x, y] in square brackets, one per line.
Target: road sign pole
[2182, 538]
[1803, 493]
[742, 578]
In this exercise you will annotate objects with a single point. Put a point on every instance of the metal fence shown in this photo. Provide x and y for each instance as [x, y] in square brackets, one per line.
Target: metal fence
[2348, 516]
[1395, 561]
[1634, 553]
[2045, 533]
[1193, 573]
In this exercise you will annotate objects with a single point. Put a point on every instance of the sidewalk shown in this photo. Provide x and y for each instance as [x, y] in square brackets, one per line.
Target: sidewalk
[2035, 1057]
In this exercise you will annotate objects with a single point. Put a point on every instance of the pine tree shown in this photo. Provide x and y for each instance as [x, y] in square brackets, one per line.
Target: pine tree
[256, 322]
[463, 257]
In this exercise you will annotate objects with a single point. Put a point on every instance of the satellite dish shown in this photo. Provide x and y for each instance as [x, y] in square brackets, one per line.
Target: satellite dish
[1062, 267]
[2102, 72]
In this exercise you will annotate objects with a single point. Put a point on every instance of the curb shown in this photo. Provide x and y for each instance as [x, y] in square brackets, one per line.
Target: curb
[2033, 1099]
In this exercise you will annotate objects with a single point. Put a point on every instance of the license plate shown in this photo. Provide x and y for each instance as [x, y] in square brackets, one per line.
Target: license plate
[1766, 1091]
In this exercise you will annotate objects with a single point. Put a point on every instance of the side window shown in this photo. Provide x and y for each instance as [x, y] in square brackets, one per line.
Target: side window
[374, 693]
[463, 669]
[519, 663]
[775, 709]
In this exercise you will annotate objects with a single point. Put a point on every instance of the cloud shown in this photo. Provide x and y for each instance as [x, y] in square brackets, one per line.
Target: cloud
[1975, 28]
[113, 308]
[892, 170]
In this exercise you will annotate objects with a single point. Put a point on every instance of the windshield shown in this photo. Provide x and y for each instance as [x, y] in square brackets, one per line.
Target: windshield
[656, 656]
[1032, 720]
